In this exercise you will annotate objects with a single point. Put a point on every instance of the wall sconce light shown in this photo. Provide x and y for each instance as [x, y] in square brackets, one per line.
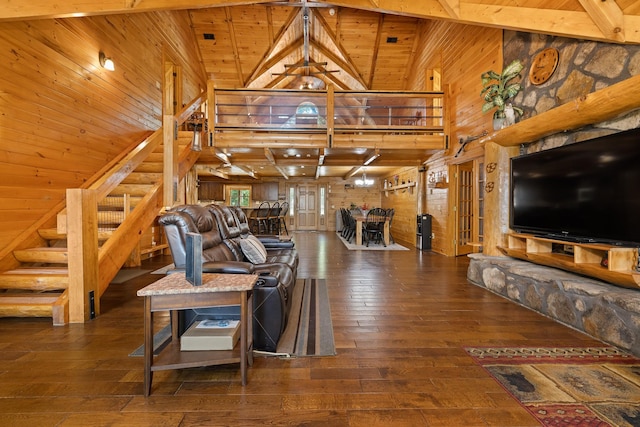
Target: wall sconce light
[197, 124]
[106, 63]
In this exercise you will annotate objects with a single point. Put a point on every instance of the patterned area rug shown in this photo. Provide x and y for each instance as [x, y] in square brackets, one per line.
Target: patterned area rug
[596, 386]
[309, 331]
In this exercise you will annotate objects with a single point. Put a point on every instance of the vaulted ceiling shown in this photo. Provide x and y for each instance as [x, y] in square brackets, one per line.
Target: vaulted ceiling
[350, 44]
[306, 45]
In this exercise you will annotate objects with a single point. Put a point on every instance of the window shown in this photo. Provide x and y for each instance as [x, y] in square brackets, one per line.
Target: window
[292, 200]
[239, 196]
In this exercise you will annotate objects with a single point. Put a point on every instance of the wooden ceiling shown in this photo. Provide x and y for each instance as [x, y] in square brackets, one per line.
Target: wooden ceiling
[294, 47]
[350, 44]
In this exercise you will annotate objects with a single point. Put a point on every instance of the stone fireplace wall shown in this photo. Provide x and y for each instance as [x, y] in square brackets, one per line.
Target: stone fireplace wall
[602, 310]
[583, 67]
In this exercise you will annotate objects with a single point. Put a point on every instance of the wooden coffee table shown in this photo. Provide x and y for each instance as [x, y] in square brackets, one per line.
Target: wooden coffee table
[174, 292]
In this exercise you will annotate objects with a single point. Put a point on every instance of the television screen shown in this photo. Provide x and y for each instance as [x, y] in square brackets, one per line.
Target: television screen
[586, 191]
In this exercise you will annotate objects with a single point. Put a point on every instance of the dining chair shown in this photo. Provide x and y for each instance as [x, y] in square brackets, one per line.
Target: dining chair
[272, 218]
[258, 220]
[390, 213]
[282, 218]
[373, 226]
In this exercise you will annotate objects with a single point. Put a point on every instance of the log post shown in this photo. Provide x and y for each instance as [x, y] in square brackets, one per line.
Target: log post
[82, 247]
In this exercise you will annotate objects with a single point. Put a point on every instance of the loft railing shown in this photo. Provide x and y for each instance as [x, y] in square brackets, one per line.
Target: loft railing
[327, 111]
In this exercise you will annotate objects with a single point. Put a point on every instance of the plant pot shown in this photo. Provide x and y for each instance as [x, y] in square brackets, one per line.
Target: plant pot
[499, 123]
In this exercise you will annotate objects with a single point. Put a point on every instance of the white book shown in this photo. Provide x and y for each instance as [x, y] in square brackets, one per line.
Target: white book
[211, 335]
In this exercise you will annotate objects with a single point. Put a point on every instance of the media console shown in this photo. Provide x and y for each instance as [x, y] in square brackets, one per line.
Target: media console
[610, 263]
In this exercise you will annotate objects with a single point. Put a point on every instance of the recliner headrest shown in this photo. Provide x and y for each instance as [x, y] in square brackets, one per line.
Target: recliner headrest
[201, 216]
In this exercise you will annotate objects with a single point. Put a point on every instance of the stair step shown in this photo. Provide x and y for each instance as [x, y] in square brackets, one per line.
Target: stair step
[110, 217]
[148, 166]
[35, 279]
[142, 178]
[156, 157]
[116, 202]
[44, 255]
[50, 304]
[132, 189]
[51, 234]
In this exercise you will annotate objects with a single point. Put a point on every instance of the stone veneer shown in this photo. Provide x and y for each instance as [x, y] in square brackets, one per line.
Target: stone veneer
[606, 312]
[584, 67]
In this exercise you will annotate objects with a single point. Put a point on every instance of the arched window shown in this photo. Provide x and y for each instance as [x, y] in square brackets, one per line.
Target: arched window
[306, 114]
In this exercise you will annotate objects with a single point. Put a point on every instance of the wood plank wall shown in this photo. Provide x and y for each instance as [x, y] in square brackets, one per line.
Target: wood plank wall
[403, 227]
[63, 117]
[463, 53]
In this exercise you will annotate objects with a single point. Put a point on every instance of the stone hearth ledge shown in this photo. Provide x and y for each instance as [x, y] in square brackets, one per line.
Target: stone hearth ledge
[604, 311]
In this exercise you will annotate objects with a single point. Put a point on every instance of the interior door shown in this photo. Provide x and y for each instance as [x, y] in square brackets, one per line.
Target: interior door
[464, 208]
[307, 209]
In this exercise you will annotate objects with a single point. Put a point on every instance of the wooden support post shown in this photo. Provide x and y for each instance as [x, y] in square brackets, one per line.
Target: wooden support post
[170, 147]
[496, 196]
[211, 112]
[82, 246]
[330, 114]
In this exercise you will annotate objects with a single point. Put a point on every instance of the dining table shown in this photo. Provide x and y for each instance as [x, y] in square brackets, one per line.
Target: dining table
[360, 220]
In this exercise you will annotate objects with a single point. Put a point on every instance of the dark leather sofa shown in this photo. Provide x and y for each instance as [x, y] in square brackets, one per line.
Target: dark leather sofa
[222, 253]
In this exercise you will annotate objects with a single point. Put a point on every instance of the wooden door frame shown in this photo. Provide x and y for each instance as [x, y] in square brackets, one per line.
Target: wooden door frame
[455, 202]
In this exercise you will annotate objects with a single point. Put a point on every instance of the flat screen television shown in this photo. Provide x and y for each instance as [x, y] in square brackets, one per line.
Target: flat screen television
[583, 192]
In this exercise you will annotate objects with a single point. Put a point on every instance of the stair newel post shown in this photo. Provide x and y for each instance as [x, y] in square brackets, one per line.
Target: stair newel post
[82, 242]
[169, 139]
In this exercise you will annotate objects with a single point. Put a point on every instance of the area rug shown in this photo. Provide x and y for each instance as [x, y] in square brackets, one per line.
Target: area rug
[594, 386]
[160, 340]
[372, 246]
[127, 274]
[309, 331]
[164, 269]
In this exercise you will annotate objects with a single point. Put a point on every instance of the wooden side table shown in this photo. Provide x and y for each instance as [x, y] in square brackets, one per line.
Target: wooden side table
[174, 292]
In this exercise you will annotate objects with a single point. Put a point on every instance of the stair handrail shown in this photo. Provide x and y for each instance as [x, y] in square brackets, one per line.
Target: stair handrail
[92, 269]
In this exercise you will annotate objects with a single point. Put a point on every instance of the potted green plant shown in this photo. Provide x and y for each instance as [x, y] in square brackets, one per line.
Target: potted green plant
[497, 90]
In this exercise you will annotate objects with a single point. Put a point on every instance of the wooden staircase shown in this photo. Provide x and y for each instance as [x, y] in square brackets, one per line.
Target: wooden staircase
[38, 286]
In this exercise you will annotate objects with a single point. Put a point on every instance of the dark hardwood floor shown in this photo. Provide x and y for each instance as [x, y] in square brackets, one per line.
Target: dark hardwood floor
[401, 321]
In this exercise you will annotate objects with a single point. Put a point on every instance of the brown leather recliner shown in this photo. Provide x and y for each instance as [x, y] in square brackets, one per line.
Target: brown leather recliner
[271, 296]
[231, 232]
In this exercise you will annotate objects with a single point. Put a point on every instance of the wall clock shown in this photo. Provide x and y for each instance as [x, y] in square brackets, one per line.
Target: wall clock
[543, 66]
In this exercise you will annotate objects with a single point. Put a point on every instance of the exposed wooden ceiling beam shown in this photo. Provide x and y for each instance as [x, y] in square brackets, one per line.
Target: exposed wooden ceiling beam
[349, 65]
[608, 16]
[208, 170]
[452, 7]
[271, 158]
[568, 23]
[265, 67]
[352, 172]
[38, 9]
[262, 66]
[599, 23]
[234, 43]
[374, 57]
[248, 171]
